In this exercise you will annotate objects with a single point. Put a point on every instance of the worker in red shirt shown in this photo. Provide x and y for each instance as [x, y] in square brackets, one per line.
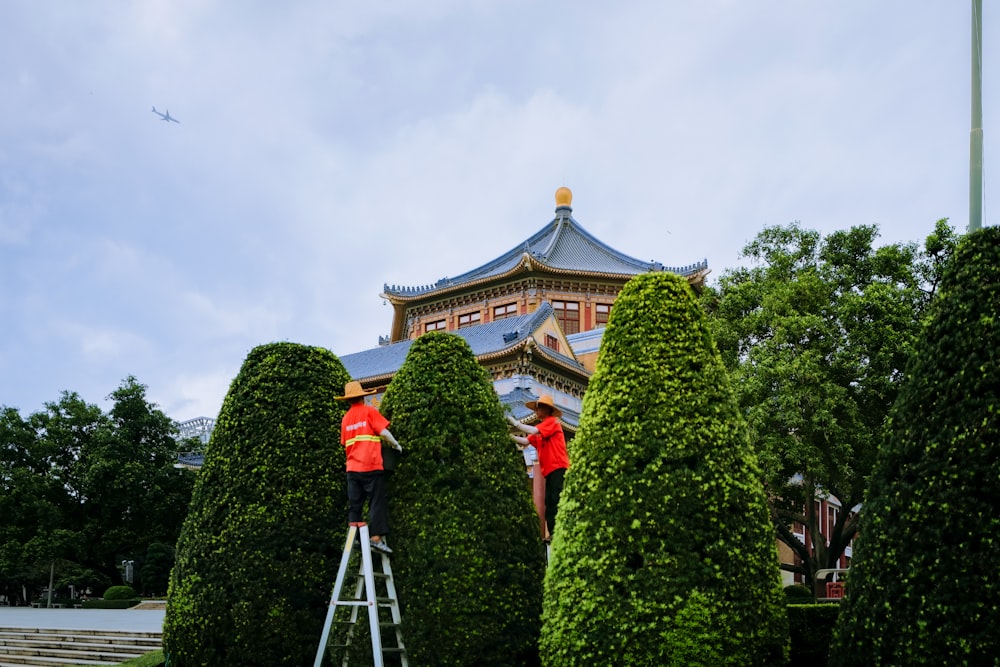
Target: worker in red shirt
[361, 433]
[550, 442]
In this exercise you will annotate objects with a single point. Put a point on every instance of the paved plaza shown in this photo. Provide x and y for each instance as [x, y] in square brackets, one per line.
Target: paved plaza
[128, 620]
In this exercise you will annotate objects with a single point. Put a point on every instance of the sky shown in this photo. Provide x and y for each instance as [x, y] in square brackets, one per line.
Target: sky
[328, 148]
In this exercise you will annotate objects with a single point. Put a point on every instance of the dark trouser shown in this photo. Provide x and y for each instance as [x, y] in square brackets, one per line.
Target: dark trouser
[553, 489]
[370, 486]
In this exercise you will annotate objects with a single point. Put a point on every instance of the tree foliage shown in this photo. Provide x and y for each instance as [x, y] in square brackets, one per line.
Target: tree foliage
[262, 539]
[816, 335]
[663, 552]
[83, 490]
[467, 559]
[923, 588]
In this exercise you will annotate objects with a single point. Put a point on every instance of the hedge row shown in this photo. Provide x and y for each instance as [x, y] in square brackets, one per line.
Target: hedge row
[923, 587]
[468, 559]
[260, 546]
[663, 551]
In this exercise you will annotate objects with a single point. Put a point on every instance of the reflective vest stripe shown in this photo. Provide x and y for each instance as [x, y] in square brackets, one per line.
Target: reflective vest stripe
[362, 438]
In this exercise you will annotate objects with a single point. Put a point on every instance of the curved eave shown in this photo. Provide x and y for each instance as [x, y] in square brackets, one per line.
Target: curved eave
[558, 360]
[529, 264]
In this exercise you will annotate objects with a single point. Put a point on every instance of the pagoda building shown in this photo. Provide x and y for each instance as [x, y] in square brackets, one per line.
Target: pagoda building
[533, 316]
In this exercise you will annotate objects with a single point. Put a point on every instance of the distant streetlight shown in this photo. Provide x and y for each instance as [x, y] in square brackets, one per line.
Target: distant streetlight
[127, 566]
[976, 138]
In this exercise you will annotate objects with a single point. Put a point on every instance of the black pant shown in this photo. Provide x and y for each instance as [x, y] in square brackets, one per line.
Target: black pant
[553, 489]
[369, 486]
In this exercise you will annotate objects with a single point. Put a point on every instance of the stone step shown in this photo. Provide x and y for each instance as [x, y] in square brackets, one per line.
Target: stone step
[24, 646]
[75, 636]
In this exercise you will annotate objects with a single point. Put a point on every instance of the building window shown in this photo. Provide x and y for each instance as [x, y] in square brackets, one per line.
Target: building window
[508, 310]
[568, 315]
[468, 320]
[437, 325]
[601, 312]
[551, 342]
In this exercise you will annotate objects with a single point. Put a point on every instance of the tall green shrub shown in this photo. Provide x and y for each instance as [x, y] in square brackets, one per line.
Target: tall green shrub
[663, 533]
[923, 586]
[467, 558]
[262, 539]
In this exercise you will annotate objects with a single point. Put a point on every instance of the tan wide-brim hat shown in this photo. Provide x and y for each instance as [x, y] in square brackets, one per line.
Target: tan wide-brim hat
[544, 399]
[353, 389]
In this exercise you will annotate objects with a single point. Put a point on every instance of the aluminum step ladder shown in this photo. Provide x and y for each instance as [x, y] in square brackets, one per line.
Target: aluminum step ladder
[365, 595]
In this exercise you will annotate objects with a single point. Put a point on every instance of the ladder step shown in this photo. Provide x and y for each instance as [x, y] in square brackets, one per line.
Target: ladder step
[382, 602]
[385, 649]
[381, 624]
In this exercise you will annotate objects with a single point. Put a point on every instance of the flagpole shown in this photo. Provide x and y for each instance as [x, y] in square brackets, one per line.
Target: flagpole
[976, 137]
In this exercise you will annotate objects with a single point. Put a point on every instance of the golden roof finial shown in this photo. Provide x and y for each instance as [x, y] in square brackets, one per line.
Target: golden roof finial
[564, 197]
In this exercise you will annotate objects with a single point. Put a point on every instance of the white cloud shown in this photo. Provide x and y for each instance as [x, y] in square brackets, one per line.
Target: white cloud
[325, 149]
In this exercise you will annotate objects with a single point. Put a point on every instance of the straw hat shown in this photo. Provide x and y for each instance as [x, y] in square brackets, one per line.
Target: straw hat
[544, 399]
[353, 389]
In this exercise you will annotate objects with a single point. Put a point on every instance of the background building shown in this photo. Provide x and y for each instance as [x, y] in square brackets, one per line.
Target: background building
[533, 316]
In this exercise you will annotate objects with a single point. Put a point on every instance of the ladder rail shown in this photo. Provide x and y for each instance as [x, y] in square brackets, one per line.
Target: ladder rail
[366, 562]
[358, 590]
[341, 573]
[397, 618]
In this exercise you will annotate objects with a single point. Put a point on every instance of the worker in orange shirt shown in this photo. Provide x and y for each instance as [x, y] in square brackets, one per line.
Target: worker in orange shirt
[549, 441]
[361, 433]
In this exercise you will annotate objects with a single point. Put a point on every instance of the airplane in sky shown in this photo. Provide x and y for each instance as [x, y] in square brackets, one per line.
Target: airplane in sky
[165, 116]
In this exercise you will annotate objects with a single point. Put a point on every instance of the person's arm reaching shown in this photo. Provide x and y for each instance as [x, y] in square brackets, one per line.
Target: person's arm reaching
[390, 439]
[524, 428]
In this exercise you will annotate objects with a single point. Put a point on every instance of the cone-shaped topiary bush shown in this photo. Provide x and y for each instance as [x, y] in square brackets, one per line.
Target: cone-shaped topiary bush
[663, 552]
[267, 520]
[467, 561]
[923, 587]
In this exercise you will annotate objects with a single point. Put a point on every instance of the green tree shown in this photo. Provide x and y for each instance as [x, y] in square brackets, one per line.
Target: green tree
[44, 535]
[663, 552]
[84, 489]
[468, 559]
[816, 335]
[30, 503]
[131, 495]
[923, 586]
[265, 529]
[154, 573]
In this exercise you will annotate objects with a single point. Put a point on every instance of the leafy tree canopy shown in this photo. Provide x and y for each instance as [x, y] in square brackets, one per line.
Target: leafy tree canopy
[816, 333]
[84, 489]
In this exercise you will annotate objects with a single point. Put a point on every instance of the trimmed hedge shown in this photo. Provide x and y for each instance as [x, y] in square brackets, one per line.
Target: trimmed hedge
[258, 553]
[468, 562]
[663, 552]
[799, 594]
[110, 604]
[923, 587]
[811, 629]
[120, 593]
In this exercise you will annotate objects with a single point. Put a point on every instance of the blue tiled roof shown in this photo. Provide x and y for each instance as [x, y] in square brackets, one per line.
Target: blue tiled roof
[482, 338]
[561, 245]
